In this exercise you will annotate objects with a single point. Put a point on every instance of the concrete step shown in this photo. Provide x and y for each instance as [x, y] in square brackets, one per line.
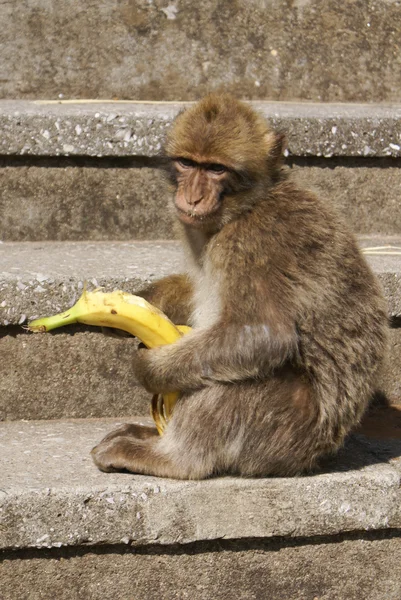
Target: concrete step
[77, 371]
[132, 128]
[36, 277]
[175, 50]
[69, 531]
[91, 171]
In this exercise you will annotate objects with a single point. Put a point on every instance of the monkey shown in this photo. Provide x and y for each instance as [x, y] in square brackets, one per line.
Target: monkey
[289, 322]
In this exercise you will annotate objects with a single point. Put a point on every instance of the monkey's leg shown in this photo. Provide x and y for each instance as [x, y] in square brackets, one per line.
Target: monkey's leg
[249, 429]
[204, 437]
[183, 452]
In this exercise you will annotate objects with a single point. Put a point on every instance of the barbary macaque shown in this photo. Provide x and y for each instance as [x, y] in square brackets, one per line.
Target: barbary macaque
[289, 323]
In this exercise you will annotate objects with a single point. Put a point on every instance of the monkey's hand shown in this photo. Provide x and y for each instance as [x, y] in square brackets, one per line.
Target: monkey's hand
[167, 369]
[144, 369]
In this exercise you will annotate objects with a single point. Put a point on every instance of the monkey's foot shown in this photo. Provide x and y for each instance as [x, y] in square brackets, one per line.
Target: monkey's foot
[124, 448]
[114, 454]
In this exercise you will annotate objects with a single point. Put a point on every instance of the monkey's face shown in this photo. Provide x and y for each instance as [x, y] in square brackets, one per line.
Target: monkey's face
[199, 191]
[222, 156]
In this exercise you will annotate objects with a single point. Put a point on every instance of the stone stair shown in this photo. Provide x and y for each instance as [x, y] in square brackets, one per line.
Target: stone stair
[319, 50]
[81, 200]
[88, 374]
[79, 533]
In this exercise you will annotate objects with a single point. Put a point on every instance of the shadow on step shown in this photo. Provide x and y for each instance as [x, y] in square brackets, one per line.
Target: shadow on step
[379, 434]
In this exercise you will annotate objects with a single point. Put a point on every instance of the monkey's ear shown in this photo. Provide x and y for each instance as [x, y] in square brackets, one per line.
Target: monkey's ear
[275, 145]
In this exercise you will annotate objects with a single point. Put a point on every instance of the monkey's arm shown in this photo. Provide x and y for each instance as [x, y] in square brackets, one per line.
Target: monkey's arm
[223, 353]
[172, 295]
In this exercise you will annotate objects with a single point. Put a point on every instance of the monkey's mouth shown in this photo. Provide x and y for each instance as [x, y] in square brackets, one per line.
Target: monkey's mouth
[191, 217]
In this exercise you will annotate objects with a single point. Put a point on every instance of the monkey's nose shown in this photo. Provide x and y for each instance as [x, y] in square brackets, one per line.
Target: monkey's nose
[193, 201]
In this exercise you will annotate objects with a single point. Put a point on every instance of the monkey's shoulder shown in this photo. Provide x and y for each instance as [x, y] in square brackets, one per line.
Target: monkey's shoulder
[287, 218]
[294, 236]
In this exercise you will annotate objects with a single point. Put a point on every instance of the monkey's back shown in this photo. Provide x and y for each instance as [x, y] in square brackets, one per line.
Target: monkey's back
[294, 250]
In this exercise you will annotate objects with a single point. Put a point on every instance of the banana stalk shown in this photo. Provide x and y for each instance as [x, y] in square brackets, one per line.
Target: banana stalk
[130, 313]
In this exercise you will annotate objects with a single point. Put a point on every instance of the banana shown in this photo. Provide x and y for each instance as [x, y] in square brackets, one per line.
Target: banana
[133, 314]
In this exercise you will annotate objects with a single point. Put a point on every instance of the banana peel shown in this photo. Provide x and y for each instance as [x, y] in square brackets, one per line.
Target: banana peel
[121, 310]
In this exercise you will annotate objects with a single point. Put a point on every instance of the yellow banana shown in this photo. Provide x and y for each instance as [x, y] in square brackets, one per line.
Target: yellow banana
[134, 314]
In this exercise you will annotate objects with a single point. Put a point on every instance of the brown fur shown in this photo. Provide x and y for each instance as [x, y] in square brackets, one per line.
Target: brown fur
[289, 322]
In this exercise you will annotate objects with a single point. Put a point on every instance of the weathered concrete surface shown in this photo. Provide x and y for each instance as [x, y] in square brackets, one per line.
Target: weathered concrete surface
[381, 435]
[103, 200]
[313, 569]
[326, 50]
[390, 380]
[38, 277]
[138, 129]
[386, 264]
[75, 373]
[368, 197]
[41, 278]
[52, 495]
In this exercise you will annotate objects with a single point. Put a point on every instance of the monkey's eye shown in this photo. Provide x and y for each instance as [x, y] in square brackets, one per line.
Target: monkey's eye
[216, 168]
[186, 163]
